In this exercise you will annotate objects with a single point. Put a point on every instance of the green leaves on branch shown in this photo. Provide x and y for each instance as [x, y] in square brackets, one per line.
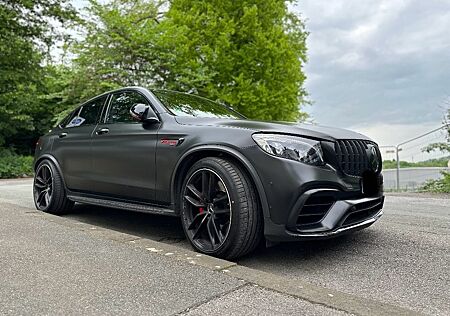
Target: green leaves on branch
[248, 54]
[119, 48]
[27, 32]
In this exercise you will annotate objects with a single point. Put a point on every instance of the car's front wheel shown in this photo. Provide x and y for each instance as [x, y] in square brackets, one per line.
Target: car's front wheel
[219, 209]
[48, 190]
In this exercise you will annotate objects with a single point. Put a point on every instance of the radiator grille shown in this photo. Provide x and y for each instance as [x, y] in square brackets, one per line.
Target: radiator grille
[353, 157]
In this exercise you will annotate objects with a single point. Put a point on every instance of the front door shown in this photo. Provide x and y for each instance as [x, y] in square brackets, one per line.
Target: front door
[123, 151]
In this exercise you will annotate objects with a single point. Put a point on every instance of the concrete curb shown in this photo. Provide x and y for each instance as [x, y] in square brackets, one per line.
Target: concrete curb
[293, 287]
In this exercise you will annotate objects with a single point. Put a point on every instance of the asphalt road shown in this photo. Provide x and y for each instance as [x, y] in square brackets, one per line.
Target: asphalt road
[52, 265]
[404, 259]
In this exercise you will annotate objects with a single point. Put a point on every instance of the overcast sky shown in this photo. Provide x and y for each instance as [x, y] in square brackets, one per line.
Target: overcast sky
[381, 67]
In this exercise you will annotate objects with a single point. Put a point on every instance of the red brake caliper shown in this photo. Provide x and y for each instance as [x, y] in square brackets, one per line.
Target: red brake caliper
[201, 210]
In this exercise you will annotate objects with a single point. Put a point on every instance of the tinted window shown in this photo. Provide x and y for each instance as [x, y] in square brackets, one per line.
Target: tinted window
[182, 104]
[68, 118]
[121, 103]
[87, 114]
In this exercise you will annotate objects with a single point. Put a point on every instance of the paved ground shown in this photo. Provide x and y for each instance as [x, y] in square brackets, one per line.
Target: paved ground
[402, 260]
[54, 266]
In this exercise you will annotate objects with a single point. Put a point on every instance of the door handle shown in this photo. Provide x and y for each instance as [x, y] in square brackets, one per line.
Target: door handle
[62, 135]
[102, 131]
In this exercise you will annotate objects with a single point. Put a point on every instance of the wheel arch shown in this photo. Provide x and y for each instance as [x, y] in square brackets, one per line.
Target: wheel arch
[54, 161]
[190, 157]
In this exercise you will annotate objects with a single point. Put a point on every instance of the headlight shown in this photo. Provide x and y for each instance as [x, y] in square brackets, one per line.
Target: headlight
[291, 147]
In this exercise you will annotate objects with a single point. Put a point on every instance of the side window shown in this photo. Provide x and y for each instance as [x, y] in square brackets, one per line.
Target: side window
[70, 118]
[88, 113]
[121, 103]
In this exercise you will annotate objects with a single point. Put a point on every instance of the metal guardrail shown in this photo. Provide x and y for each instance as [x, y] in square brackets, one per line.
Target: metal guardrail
[399, 147]
[411, 178]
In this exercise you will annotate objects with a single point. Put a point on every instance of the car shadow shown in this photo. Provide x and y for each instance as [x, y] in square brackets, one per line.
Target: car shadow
[169, 230]
[156, 227]
[313, 254]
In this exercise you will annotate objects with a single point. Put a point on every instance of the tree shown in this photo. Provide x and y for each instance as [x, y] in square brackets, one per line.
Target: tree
[27, 32]
[247, 53]
[119, 47]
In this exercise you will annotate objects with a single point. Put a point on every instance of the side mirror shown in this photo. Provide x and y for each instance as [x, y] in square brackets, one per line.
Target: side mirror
[143, 113]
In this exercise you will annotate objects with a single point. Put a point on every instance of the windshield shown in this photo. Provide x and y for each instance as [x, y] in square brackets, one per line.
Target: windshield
[182, 104]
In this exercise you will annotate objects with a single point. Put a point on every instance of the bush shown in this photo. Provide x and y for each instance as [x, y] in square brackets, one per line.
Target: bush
[14, 166]
[438, 186]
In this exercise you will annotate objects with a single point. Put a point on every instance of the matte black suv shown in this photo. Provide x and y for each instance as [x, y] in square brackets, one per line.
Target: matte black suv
[232, 181]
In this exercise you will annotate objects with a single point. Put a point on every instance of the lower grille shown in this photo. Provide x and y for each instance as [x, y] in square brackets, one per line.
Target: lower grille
[363, 211]
[353, 157]
[314, 209]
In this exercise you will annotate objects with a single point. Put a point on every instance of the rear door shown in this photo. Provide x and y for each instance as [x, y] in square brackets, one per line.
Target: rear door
[123, 151]
[72, 147]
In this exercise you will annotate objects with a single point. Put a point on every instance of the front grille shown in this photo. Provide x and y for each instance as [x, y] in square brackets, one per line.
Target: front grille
[363, 211]
[314, 209]
[352, 156]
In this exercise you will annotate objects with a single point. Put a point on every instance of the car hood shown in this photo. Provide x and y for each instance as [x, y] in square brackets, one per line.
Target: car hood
[300, 129]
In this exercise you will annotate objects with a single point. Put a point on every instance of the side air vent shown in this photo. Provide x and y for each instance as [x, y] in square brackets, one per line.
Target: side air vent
[314, 209]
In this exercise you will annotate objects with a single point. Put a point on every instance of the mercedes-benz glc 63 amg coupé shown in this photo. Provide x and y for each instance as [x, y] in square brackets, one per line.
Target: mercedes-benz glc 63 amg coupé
[233, 182]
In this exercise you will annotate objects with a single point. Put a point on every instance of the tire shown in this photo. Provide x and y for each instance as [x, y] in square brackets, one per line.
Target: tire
[49, 193]
[245, 229]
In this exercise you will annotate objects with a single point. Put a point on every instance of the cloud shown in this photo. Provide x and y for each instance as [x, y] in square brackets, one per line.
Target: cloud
[377, 63]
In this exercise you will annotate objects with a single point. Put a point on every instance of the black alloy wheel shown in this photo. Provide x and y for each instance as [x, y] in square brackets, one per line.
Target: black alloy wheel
[219, 209]
[43, 187]
[49, 191]
[207, 209]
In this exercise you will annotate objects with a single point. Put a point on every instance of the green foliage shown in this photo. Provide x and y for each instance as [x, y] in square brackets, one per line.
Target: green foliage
[119, 48]
[392, 164]
[27, 31]
[438, 186]
[247, 53]
[14, 166]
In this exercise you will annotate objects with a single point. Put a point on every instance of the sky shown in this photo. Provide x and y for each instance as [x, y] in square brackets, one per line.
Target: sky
[381, 67]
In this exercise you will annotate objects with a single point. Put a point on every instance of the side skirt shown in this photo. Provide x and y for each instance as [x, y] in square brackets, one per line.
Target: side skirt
[123, 205]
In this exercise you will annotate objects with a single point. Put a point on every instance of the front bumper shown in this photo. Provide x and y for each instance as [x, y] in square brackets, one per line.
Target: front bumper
[341, 230]
[308, 202]
[343, 216]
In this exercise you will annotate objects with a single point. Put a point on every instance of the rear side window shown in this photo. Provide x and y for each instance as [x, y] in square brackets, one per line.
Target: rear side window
[121, 103]
[87, 114]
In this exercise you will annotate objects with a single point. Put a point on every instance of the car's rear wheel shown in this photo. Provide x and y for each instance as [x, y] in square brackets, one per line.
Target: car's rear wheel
[219, 209]
[48, 190]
